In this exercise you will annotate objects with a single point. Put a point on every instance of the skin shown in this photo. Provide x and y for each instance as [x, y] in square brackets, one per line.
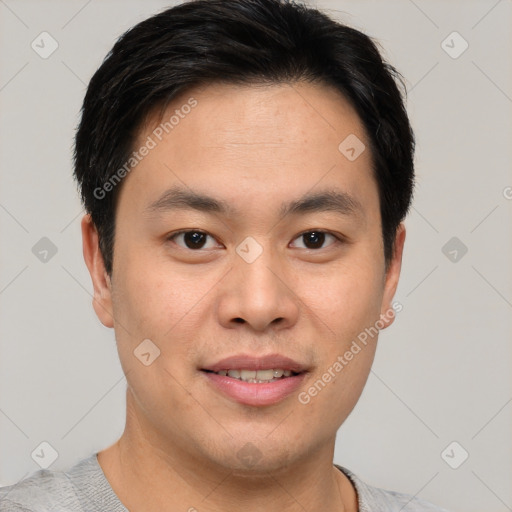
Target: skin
[253, 147]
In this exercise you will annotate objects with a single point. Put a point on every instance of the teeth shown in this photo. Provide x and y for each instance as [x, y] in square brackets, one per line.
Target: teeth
[256, 376]
[265, 374]
[247, 374]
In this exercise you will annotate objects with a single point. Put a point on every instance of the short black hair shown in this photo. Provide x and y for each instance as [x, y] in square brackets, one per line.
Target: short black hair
[202, 42]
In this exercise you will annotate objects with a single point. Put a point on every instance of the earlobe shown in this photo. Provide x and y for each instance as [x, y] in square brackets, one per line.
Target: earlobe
[102, 300]
[387, 313]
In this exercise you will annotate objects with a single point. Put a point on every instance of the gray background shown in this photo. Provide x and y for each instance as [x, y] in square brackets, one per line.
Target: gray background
[443, 370]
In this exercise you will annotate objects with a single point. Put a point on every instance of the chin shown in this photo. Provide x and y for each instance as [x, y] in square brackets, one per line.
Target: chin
[258, 458]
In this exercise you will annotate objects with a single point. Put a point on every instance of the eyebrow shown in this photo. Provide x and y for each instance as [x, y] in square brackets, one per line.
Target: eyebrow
[178, 198]
[327, 200]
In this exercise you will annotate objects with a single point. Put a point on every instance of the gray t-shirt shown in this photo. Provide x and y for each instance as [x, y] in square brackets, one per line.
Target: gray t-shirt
[84, 488]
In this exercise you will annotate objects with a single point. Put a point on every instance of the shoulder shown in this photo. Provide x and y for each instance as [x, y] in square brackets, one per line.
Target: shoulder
[40, 491]
[374, 499]
[75, 490]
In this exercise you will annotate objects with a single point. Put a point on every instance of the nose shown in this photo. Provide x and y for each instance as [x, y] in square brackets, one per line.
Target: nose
[259, 294]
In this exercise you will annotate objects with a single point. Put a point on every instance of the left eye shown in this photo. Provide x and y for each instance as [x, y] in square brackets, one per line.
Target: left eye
[314, 239]
[193, 240]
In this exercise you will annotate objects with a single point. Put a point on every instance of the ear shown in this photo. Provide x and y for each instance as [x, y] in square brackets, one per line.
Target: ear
[392, 276]
[102, 301]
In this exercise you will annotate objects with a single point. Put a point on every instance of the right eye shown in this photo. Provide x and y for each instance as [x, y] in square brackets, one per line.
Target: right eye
[191, 239]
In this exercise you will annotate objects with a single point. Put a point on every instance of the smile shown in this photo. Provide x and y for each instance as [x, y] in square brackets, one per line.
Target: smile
[256, 376]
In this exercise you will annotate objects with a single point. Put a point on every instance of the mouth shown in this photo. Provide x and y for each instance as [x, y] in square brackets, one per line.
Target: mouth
[255, 381]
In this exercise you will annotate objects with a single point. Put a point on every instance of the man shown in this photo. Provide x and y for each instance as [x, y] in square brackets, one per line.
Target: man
[246, 166]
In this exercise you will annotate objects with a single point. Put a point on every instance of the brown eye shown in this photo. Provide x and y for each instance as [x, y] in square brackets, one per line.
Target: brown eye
[192, 239]
[314, 239]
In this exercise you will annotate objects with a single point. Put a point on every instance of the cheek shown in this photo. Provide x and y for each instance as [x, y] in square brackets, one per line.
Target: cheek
[334, 398]
[350, 306]
[347, 298]
[155, 301]
[163, 307]
[154, 298]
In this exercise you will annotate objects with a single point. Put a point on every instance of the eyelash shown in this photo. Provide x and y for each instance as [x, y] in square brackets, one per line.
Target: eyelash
[338, 238]
[172, 236]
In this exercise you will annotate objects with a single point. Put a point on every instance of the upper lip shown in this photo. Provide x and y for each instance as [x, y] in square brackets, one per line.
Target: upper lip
[253, 362]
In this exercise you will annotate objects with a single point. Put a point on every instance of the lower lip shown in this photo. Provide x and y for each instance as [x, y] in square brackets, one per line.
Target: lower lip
[251, 393]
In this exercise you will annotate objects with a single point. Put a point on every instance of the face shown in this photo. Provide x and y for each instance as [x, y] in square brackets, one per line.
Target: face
[247, 240]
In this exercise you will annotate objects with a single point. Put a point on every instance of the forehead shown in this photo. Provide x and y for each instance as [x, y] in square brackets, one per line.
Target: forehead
[248, 141]
[255, 114]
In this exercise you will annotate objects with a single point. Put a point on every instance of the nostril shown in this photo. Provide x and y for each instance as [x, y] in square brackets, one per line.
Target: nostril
[239, 320]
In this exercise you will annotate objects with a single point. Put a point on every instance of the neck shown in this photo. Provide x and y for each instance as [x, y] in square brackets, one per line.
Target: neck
[153, 474]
